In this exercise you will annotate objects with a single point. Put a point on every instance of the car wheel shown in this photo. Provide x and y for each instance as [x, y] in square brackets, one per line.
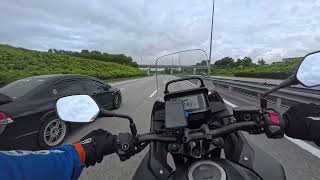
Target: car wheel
[117, 101]
[52, 132]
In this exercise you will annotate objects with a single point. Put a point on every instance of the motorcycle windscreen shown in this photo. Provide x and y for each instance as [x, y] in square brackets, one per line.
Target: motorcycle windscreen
[176, 65]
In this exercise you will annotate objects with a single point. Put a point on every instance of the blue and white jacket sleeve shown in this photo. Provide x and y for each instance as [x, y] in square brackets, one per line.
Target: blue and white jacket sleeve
[61, 163]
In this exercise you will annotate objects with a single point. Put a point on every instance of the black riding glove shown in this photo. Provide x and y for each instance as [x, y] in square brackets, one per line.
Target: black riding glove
[301, 124]
[96, 145]
[126, 146]
[274, 126]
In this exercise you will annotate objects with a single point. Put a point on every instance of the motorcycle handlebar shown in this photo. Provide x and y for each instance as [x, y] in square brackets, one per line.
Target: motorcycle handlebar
[145, 138]
[224, 130]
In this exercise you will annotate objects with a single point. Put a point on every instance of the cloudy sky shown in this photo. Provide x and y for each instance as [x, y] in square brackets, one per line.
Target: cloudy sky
[270, 29]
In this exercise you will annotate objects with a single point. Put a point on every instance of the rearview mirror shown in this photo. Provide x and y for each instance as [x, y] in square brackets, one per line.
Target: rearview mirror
[77, 108]
[308, 73]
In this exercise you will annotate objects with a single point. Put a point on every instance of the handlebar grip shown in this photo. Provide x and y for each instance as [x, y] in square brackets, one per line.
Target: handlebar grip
[153, 137]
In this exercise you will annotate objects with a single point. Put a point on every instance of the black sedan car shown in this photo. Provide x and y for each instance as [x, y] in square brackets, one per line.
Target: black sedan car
[27, 108]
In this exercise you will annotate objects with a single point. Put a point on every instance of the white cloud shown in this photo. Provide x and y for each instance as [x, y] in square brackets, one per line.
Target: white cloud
[270, 29]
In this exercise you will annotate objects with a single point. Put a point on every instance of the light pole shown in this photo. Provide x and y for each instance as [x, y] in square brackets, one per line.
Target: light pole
[179, 64]
[171, 64]
[209, 62]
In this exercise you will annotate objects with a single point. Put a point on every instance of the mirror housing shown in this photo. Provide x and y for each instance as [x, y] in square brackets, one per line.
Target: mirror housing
[77, 108]
[308, 72]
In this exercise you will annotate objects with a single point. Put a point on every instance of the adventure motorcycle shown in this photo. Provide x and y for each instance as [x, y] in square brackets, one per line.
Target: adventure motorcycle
[195, 127]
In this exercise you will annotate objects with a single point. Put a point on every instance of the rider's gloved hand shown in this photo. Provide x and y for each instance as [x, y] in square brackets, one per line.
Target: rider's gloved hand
[126, 146]
[301, 123]
[94, 146]
[274, 125]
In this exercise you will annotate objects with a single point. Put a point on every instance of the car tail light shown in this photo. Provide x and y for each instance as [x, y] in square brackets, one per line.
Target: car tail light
[4, 119]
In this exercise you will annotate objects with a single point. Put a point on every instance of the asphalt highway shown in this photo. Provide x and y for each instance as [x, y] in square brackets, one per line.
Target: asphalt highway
[300, 160]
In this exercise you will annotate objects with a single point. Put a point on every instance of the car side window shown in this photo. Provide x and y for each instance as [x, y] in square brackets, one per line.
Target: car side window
[68, 88]
[94, 86]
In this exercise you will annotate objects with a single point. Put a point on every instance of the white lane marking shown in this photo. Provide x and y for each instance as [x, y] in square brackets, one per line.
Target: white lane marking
[124, 82]
[305, 146]
[300, 143]
[154, 92]
[191, 83]
[165, 81]
[315, 118]
[229, 103]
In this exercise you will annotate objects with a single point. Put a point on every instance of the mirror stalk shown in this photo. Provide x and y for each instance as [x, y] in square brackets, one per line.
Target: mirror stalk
[133, 127]
[290, 81]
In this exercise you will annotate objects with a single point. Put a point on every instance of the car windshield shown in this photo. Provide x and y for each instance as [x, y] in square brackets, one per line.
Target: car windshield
[21, 87]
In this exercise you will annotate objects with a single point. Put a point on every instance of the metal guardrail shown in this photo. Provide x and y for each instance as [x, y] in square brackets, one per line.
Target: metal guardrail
[283, 97]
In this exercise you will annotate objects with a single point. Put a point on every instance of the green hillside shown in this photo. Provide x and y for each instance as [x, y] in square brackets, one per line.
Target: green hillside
[278, 70]
[17, 63]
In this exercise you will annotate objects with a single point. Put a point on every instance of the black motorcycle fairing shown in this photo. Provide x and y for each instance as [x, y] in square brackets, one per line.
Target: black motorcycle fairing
[239, 150]
[154, 165]
[232, 170]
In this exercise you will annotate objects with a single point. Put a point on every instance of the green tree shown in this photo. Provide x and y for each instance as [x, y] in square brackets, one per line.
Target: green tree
[97, 55]
[202, 63]
[245, 62]
[261, 62]
[225, 62]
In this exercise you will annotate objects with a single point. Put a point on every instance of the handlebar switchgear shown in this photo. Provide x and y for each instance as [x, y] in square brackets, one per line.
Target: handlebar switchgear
[126, 146]
[274, 125]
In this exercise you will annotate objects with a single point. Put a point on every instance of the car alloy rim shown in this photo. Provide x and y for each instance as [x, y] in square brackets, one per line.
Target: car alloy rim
[54, 132]
[117, 100]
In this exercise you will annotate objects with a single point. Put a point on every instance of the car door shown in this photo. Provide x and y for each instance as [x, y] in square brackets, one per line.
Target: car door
[100, 92]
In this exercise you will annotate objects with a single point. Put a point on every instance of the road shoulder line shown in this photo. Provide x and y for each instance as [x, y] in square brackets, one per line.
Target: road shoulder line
[191, 83]
[154, 92]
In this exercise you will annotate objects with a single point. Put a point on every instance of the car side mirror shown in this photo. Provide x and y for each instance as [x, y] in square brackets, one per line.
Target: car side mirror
[77, 108]
[107, 87]
[308, 73]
